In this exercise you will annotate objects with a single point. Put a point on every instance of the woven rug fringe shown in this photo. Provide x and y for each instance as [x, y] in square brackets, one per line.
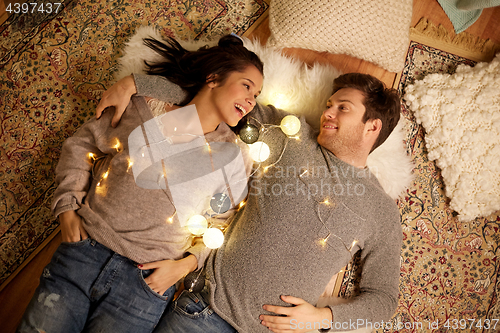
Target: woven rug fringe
[463, 40]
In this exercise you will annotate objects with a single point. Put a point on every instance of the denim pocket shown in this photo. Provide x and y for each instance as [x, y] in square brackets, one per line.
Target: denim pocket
[79, 243]
[167, 295]
[191, 305]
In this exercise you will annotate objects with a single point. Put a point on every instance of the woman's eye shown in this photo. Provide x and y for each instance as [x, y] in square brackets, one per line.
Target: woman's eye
[246, 86]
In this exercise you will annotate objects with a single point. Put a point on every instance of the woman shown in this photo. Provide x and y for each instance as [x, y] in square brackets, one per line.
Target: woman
[124, 246]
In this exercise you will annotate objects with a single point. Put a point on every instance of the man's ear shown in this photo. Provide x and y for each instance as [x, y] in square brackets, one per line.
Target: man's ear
[373, 126]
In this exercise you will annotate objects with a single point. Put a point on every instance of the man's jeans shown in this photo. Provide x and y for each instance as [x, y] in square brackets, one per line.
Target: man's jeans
[89, 288]
[191, 313]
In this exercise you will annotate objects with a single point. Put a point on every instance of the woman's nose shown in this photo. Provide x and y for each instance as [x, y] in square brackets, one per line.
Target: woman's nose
[251, 101]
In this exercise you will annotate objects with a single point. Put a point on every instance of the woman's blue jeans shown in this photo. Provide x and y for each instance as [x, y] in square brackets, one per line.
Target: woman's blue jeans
[191, 313]
[89, 288]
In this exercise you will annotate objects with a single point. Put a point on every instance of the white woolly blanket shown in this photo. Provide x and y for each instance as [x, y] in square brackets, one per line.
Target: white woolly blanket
[297, 88]
[461, 117]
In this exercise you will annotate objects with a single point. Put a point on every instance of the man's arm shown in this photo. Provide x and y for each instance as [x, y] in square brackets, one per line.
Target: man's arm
[379, 289]
[160, 88]
[119, 94]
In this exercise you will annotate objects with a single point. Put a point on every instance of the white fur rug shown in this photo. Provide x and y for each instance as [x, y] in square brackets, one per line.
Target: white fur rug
[461, 117]
[302, 90]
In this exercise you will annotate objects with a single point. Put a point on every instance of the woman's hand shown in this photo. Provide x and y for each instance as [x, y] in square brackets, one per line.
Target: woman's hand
[298, 318]
[168, 272]
[71, 227]
[118, 96]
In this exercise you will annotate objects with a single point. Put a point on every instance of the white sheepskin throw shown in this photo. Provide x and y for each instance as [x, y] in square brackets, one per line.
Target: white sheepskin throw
[461, 116]
[297, 88]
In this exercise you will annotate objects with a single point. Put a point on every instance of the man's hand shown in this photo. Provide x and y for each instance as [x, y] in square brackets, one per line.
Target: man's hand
[71, 227]
[298, 318]
[118, 96]
[168, 272]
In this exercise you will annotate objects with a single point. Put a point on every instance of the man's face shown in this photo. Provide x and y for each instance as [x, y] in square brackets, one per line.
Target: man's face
[342, 129]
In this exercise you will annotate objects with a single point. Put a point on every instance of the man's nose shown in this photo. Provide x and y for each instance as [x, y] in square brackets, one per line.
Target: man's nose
[329, 113]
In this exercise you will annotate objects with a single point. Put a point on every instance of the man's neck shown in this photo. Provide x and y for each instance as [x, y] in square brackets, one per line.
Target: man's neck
[355, 158]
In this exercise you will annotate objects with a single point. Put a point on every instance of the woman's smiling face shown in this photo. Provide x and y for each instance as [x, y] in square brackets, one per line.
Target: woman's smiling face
[235, 97]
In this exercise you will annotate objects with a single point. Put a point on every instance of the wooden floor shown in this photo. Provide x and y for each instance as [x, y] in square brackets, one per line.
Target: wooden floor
[15, 296]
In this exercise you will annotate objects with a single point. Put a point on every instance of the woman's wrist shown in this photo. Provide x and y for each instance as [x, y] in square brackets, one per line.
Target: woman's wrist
[190, 263]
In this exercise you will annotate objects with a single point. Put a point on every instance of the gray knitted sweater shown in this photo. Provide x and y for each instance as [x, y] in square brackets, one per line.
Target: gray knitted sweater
[272, 246]
[128, 219]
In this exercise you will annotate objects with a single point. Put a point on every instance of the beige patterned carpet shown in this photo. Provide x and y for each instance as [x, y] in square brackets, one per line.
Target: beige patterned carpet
[53, 68]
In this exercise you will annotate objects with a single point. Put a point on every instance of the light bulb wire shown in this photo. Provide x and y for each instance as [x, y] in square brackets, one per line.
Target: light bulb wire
[318, 214]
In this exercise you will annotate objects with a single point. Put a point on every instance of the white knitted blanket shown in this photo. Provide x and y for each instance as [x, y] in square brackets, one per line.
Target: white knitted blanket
[461, 117]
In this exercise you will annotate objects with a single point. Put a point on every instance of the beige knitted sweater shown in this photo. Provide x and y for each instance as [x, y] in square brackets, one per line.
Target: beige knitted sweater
[128, 219]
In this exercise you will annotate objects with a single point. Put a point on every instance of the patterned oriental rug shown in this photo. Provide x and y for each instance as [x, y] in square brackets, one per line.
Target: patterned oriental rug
[449, 270]
[53, 68]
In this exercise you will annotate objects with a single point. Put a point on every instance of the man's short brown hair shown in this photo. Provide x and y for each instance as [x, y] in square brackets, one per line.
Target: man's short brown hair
[380, 102]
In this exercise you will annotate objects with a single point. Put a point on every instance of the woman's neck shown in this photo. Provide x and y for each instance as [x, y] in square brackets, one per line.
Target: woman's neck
[209, 119]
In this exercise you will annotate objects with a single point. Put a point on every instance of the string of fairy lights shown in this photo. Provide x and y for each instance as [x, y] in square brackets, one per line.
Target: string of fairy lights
[198, 224]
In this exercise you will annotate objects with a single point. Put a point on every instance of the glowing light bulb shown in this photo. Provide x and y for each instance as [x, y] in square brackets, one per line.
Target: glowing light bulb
[106, 174]
[213, 238]
[323, 241]
[117, 145]
[197, 225]
[91, 156]
[259, 151]
[242, 204]
[170, 220]
[326, 202]
[249, 133]
[290, 125]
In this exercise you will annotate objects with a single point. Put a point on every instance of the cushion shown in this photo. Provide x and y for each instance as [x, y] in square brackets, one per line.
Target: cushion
[296, 88]
[461, 117]
[375, 31]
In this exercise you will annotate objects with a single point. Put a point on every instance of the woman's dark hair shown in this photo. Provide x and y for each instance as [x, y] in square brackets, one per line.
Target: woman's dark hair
[191, 70]
[380, 102]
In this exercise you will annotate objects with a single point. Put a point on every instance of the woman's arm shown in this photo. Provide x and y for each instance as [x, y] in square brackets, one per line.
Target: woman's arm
[168, 272]
[73, 177]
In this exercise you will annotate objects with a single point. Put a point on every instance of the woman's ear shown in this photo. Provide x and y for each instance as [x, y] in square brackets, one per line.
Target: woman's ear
[212, 81]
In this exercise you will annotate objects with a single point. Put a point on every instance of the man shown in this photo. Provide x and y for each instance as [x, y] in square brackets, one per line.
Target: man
[315, 206]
